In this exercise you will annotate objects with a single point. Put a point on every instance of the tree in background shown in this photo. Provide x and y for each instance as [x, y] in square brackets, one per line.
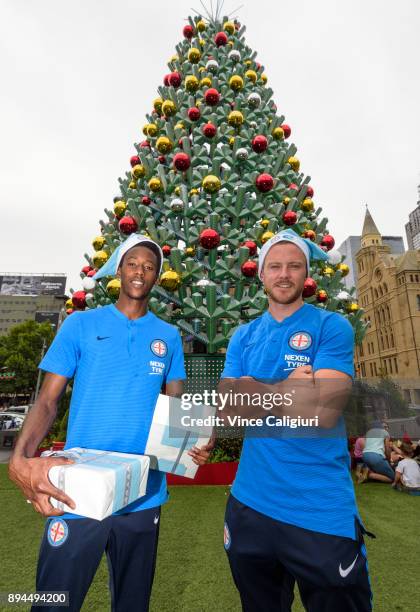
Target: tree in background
[213, 179]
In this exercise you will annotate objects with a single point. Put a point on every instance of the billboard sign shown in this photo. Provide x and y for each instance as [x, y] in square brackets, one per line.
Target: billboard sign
[32, 285]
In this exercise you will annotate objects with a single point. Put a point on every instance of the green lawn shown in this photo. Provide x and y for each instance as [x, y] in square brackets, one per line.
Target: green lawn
[192, 571]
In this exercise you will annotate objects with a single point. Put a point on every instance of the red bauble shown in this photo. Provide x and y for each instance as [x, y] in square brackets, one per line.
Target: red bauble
[144, 144]
[221, 39]
[92, 272]
[181, 161]
[86, 269]
[259, 143]
[127, 225]
[166, 250]
[286, 129]
[69, 311]
[321, 296]
[251, 246]
[134, 160]
[166, 80]
[310, 234]
[162, 159]
[309, 192]
[209, 238]
[212, 96]
[293, 187]
[289, 217]
[328, 242]
[309, 287]
[209, 130]
[146, 200]
[194, 113]
[257, 65]
[180, 145]
[188, 31]
[175, 79]
[79, 300]
[249, 268]
[264, 182]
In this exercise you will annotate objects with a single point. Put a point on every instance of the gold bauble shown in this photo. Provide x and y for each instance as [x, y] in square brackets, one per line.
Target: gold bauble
[191, 83]
[168, 108]
[98, 243]
[211, 183]
[99, 259]
[177, 190]
[201, 25]
[119, 208]
[113, 287]
[170, 280]
[230, 43]
[235, 118]
[155, 184]
[189, 251]
[248, 62]
[286, 200]
[194, 55]
[157, 104]
[266, 236]
[264, 78]
[294, 162]
[236, 82]
[229, 26]
[353, 307]
[231, 141]
[328, 271]
[343, 268]
[205, 82]
[179, 126]
[307, 205]
[151, 130]
[202, 69]
[201, 42]
[251, 75]
[264, 223]
[138, 171]
[132, 184]
[194, 191]
[278, 133]
[164, 144]
[69, 304]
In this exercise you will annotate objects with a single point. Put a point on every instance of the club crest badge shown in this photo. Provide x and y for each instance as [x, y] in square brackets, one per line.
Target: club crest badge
[226, 537]
[300, 341]
[159, 348]
[58, 532]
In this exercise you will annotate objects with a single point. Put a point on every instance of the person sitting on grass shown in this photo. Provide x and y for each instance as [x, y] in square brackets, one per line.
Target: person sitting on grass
[376, 455]
[407, 472]
[358, 449]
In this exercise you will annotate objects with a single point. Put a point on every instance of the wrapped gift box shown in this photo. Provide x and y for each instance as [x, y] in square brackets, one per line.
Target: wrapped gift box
[99, 482]
[169, 442]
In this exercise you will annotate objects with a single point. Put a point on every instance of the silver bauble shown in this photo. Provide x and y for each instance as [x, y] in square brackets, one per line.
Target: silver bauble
[212, 66]
[242, 154]
[177, 205]
[234, 55]
[254, 100]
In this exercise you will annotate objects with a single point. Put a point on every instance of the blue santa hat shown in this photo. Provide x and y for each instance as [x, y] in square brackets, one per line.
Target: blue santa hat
[111, 266]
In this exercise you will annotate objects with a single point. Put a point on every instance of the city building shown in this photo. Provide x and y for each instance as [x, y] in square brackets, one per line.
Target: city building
[388, 288]
[412, 228]
[39, 297]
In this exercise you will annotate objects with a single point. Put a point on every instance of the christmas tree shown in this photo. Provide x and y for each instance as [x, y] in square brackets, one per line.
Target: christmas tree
[213, 179]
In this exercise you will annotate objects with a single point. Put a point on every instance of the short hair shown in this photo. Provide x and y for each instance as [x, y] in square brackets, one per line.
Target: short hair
[407, 449]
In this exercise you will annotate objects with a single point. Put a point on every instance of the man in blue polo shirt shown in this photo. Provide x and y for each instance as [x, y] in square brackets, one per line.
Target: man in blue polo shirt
[120, 356]
[292, 514]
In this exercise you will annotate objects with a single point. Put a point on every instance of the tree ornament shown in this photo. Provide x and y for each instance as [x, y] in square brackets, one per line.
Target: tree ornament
[307, 205]
[98, 243]
[212, 66]
[155, 184]
[254, 100]
[177, 205]
[251, 75]
[252, 246]
[328, 242]
[79, 300]
[93, 271]
[266, 236]
[352, 308]
[259, 143]
[69, 303]
[220, 39]
[229, 26]
[231, 142]
[209, 130]
[194, 191]
[175, 80]
[264, 182]
[127, 225]
[343, 295]
[138, 171]
[211, 183]
[264, 79]
[188, 31]
[278, 133]
[205, 82]
[253, 124]
[166, 250]
[249, 268]
[209, 239]
[168, 108]
[157, 105]
[235, 118]
[113, 288]
[211, 97]
[334, 257]
[293, 187]
[310, 234]
[88, 283]
[132, 184]
[309, 287]
[194, 55]
[201, 25]
[309, 192]
[151, 130]
[162, 159]
[294, 163]
[146, 200]
[289, 217]
[181, 161]
[286, 200]
[327, 271]
[191, 83]
[69, 311]
[86, 269]
[179, 125]
[134, 160]
[194, 113]
[286, 129]
[145, 144]
[242, 154]
[189, 251]
[164, 145]
[236, 82]
[170, 280]
[119, 208]
[321, 296]
[343, 268]
[264, 223]
[234, 55]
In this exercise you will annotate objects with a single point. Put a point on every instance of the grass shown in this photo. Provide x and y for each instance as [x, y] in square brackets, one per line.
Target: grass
[192, 571]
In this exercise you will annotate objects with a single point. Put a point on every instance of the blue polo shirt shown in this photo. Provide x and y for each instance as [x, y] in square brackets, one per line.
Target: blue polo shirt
[300, 480]
[119, 366]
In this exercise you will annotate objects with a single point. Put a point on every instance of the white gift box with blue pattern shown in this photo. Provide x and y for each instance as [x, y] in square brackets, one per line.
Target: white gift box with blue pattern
[168, 442]
[99, 482]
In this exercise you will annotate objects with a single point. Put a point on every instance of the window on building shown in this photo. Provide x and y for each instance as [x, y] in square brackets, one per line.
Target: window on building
[371, 369]
[396, 365]
[380, 291]
[382, 340]
[411, 278]
[385, 288]
[392, 340]
[363, 369]
[417, 278]
[390, 366]
[375, 369]
[384, 368]
[418, 302]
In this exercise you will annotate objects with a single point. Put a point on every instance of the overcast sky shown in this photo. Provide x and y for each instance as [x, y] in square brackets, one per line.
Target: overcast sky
[78, 77]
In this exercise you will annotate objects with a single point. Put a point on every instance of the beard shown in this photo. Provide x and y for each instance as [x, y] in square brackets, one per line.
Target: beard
[294, 296]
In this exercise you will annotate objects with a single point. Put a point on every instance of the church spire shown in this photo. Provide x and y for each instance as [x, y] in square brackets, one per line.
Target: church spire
[370, 233]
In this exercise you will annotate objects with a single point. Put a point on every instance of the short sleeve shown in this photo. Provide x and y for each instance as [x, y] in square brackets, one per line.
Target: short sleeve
[335, 350]
[64, 353]
[400, 468]
[176, 370]
[233, 361]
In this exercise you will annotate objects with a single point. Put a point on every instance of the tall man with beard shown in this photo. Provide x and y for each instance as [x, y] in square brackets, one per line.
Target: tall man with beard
[292, 514]
[112, 353]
